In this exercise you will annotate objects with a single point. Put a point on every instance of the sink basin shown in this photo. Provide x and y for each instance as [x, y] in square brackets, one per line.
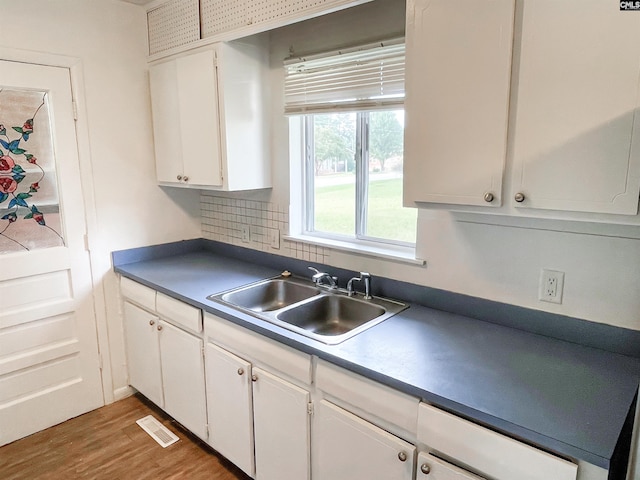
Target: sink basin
[331, 315]
[326, 315]
[269, 295]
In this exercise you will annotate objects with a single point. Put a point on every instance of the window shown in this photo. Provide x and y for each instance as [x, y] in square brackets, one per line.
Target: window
[351, 108]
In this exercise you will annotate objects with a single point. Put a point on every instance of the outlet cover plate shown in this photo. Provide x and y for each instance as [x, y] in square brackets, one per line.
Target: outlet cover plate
[246, 236]
[551, 286]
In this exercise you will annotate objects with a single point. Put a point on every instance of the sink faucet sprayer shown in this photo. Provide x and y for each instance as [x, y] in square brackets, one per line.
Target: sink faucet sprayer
[364, 277]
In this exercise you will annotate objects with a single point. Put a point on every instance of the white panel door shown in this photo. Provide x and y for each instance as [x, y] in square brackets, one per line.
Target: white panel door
[457, 100]
[49, 361]
[183, 378]
[577, 131]
[230, 406]
[346, 447]
[281, 426]
[432, 468]
[143, 352]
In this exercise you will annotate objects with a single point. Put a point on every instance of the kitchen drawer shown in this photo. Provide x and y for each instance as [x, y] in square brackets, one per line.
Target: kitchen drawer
[486, 451]
[137, 293]
[179, 313]
[386, 403]
[256, 348]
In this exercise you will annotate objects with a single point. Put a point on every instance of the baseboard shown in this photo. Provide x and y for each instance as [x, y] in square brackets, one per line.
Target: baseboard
[121, 393]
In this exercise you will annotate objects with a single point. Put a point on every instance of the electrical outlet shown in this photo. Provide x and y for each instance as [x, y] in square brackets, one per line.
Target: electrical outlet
[274, 238]
[246, 236]
[551, 286]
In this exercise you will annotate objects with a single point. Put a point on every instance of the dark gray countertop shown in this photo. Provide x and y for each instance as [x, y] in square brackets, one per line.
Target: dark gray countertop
[564, 397]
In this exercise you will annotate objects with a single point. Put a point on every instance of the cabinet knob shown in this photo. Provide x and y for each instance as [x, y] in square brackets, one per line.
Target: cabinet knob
[519, 197]
[426, 469]
[402, 456]
[241, 371]
[152, 322]
[254, 378]
[488, 197]
[179, 177]
[159, 327]
[185, 178]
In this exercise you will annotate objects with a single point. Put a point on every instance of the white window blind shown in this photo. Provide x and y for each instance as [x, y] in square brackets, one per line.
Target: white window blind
[363, 78]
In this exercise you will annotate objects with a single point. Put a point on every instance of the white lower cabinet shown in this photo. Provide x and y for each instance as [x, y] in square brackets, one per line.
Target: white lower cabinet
[488, 452]
[229, 402]
[266, 408]
[346, 447]
[166, 365]
[433, 468]
[182, 363]
[143, 354]
[254, 414]
[281, 428]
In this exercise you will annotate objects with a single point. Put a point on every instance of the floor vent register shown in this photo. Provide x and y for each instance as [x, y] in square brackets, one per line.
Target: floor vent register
[157, 431]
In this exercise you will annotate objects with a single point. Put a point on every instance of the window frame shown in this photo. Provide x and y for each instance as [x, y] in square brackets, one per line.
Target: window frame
[361, 183]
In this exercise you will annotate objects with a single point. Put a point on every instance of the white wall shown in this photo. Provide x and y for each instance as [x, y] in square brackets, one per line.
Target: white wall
[602, 273]
[126, 207]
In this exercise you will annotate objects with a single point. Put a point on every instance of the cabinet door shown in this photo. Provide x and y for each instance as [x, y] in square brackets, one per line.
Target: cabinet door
[199, 124]
[183, 378]
[184, 98]
[229, 406]
[576, 136]
[143, 353]
[167, 137]
[432, 468]
[281, 425]
[457, 98]
[347, 447]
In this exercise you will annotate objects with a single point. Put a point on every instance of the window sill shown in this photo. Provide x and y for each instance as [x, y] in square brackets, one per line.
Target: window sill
[361, 247]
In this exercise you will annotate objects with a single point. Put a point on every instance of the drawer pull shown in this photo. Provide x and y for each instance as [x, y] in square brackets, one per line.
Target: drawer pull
[425, 468]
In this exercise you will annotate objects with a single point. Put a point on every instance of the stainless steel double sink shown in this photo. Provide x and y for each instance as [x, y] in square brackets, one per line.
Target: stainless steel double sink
[326, 315]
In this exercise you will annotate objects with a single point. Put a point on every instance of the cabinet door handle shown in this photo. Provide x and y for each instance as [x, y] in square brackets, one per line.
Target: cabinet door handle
[402, 456]
[185, 178]
[241, 371]
[519, 197]
[488, 197]
[159, 327]
[254, 378]
[426, 469]
[152, 322]
[179, 177]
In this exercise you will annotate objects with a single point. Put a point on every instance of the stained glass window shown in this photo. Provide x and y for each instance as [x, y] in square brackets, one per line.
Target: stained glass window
[29, 204]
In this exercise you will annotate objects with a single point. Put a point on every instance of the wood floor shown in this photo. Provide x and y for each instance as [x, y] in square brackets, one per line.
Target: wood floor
[108, 444]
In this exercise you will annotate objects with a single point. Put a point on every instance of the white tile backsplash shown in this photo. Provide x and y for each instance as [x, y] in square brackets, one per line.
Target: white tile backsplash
[223, 218]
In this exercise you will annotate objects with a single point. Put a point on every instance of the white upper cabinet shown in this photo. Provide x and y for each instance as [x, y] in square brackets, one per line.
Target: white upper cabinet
[209, 117]
[561, 118]
[576, 145]
[457, 99]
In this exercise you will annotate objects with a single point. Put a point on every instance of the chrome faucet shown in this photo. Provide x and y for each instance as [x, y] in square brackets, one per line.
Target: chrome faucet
[319, 276]
[366, 279]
